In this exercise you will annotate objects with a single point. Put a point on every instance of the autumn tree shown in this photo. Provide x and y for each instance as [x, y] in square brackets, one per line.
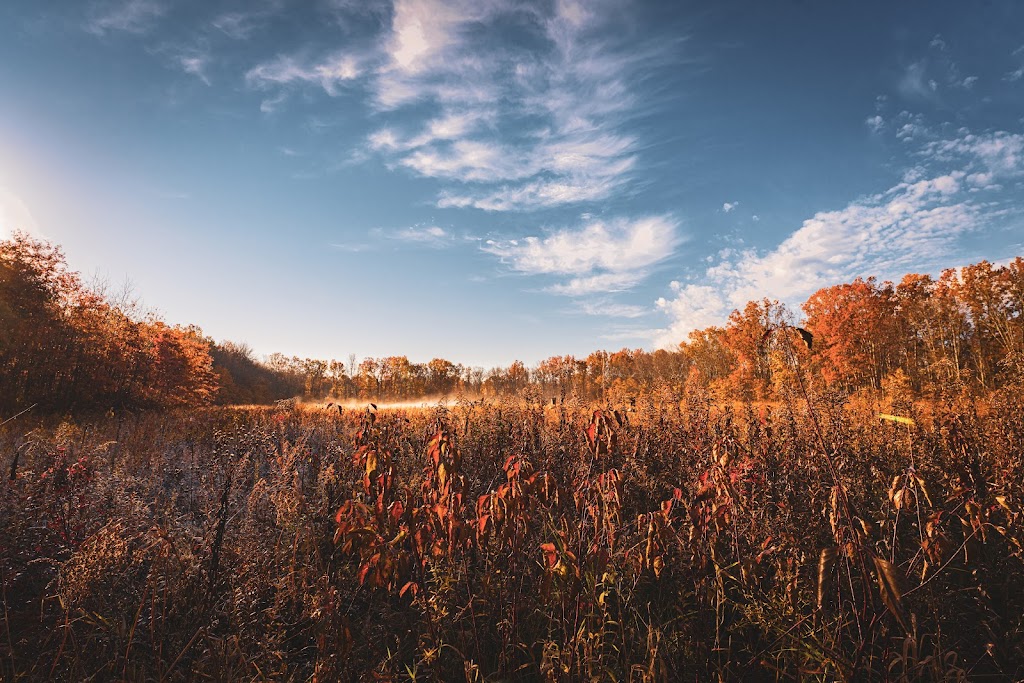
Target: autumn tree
[442, 376]
[993, 298]
[64, 346]
[854, 325]
[748, 337]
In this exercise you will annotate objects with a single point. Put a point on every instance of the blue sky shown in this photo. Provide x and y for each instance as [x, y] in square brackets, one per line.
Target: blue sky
[499, 179]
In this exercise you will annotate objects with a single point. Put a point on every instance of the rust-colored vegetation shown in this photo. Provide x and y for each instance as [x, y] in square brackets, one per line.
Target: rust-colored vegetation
[735, 509]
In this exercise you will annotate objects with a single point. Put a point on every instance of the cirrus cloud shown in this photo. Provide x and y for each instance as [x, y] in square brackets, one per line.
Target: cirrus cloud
[601, 256]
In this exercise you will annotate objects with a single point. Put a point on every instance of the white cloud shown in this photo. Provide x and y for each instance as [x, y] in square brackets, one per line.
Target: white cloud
[241, 25]
[131, 16]
[353, 248]
[727, 207]
[876, 123]
[1018, 73]
[518, 125]
[422, 234]
[598, 257]
[195, 64]
[422, 29]
[469, 160]
[425, 55]
[911, 127]
[627, 334]
[329, 73]
[1000, 153]
[569, 170]
[981, 180]
[534, 194]
[450, 126]
[572, 169]
[915, 84]
[600, 283]
[430, 236]
[916, 222]
[611, 309]
[519, 128]
[384, 139]
[270, 104]
[236, 25]
[924, 79]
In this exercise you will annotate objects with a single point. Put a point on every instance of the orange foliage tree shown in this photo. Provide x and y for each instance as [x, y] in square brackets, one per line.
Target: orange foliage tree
[64, 346]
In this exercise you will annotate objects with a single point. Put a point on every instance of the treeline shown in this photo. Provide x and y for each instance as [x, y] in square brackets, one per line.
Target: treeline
[963, 331]
[66, 346]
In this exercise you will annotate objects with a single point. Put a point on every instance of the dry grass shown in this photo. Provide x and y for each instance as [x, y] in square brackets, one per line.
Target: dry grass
[503, 541]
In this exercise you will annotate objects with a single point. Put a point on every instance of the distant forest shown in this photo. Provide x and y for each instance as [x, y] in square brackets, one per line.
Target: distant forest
[66, 346]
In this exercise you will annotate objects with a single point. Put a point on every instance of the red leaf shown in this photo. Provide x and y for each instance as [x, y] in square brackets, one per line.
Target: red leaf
[550, 554]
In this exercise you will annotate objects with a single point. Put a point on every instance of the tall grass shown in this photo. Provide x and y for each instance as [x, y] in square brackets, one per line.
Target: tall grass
[518, 541]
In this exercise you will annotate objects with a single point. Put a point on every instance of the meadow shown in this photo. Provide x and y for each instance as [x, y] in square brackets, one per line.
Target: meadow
[509, 540]
[836, 501]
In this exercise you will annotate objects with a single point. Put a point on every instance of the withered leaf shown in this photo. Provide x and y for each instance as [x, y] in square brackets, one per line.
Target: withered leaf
[889, 584]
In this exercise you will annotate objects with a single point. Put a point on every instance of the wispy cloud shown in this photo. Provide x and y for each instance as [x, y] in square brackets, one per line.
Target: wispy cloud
[131, 16]
[510, 124]
[611, 309]
[420, 235]
[241, 25]
[195, 64]
[236, 25]
[925, 78]
[728, 207]
[915, 82]
[423, 236]
[353, 247]
[453, 125]
[600, 256]
[329, 73]
[1017, 73]
[516, 128]
[995, 155]
[424, 46]
[533, 194]
[911, 128]
[913, 224]
[470, 160]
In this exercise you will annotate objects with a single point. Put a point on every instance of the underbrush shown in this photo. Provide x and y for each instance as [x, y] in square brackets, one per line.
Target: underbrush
[502, 541]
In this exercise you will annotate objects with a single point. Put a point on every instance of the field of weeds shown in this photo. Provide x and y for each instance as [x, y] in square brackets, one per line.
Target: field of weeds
[502, 541]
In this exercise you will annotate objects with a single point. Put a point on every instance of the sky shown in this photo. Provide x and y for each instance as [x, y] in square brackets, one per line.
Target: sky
[492, 180]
